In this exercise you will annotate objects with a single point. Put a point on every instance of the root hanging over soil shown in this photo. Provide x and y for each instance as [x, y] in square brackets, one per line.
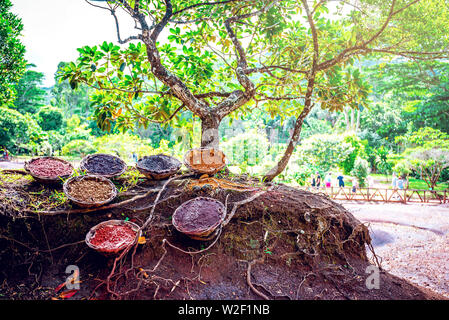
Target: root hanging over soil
[276, 242]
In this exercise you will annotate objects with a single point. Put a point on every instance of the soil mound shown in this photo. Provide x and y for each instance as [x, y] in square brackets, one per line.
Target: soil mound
[276, 242]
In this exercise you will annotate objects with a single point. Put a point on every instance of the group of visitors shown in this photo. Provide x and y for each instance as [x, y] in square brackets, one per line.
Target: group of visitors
[4, 154]
[316, 180]
[400, 182]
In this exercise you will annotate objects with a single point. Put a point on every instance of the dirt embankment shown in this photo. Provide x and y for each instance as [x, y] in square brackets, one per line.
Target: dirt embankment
[283, 244]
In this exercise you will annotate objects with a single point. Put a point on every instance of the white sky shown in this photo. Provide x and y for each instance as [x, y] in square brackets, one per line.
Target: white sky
[54, 29]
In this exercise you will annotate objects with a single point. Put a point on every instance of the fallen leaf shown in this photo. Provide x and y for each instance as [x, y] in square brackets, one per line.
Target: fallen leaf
[141, 240]
[68, 294]
[62, 285]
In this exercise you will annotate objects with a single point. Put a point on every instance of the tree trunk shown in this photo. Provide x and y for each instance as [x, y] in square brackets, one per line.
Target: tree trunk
[282, 164]
[357, 127]
[209, 131]
[352, 120]
[348, 127]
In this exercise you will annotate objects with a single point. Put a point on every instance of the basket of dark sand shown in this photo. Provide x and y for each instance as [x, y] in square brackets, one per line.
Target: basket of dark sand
[112, 236]
[48, 169]
[90, 191]
[158, 167]
[105, 165]
[205, 160]
[199, 218]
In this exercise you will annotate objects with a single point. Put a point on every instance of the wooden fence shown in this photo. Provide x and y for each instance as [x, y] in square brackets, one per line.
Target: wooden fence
[383, 195]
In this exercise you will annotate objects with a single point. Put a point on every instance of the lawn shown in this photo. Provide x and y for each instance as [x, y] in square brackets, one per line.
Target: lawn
[413, 182]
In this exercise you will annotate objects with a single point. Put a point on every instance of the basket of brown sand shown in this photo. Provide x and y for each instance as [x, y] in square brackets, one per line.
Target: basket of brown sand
[90, 191]
[199, 218]
[105, 165]
[48, 169]
[158, 167]
[111, 237]
[205, 160]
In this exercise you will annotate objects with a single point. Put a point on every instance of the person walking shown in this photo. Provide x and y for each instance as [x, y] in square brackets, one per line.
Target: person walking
[400, 183]
[394, 181]
[355, 185]
[341, 182]
[312, 182]
[328, 180]
[318, 180]
[370, 181]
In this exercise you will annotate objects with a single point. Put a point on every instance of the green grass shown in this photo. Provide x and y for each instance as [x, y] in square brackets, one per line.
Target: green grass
[413, 183]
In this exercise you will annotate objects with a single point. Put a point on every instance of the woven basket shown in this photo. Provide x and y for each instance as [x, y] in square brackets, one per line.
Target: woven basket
[175, 165]
[206, 156]
[89, 157]
[43, 179]
[114, 252]
[199, 233]
[89, 204]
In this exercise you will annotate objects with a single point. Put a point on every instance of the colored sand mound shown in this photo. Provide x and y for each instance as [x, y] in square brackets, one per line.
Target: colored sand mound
[103, 164]
[159, 163]
[110, 238]
[90, 190]
[198, 215]
[46, 167]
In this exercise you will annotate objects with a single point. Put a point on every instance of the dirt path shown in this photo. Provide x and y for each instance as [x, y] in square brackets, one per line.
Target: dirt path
[11, 165]
[412, 240]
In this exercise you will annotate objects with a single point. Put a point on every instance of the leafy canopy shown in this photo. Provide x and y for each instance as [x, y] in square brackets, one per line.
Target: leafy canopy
[12, 51]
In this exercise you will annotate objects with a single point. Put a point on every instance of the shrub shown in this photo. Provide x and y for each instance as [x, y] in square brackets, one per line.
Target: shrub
[361, 170]
[249, 148]
[402, 167]
[326, 151]
[358, 150]
[123, 145]
[78, 148]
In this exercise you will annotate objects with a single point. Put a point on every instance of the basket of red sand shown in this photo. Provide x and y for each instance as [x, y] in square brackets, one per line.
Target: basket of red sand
[205, 160]
[199, 218]
[90, 191]
[158, 166]
[105, 165]
[48, 169]
[112, 236]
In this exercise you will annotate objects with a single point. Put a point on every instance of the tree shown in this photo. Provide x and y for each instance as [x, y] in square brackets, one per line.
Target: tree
[361, 171]
[283, 55]
[18, 131]
[30, 96]
[418, 90]
[424, 137]
[13, 126]
[426, 152]
[50, 118]
[328, 151]
[374, 27]
[70, 101]
[430, 163]
[12, 51]
[161, 80]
